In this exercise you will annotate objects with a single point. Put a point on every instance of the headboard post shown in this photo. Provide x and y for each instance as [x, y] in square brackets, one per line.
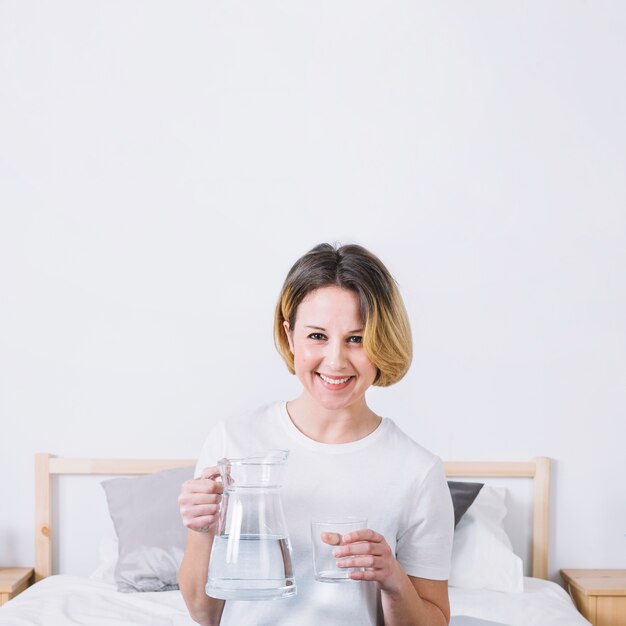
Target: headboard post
[43, 517]
[541, 507]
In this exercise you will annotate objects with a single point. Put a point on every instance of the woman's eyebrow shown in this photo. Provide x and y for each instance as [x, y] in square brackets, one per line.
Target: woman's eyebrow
[350, 332]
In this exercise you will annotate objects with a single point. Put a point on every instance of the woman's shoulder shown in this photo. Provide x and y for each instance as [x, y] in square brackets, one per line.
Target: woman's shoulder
[241, 433]
[251, 416]
[236, 420]
[250, 424]
[408, 448]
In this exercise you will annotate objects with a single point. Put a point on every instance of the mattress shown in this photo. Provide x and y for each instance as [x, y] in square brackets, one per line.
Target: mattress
[63, 600]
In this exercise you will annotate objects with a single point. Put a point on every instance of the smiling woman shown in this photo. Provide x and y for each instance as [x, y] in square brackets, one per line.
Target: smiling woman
[386, 333]
[330, 361]
[341, 327]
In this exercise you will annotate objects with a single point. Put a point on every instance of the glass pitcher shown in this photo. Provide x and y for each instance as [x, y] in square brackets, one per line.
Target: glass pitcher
[251, 553]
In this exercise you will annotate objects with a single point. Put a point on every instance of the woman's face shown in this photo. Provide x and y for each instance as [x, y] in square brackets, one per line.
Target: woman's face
[327, 345]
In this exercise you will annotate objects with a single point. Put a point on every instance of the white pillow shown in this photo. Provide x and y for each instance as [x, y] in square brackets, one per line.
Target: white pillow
[482, 556]
[108, 553]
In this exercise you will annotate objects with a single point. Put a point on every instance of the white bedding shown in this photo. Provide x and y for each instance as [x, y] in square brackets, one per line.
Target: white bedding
[542, 603]
[65, 600]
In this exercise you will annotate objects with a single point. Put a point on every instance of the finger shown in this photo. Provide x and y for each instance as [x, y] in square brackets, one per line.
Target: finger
[210, 472]
[359, 548]
[193, 495]
[365, 534]
[200, 487]
[369, 562]
[199, 484]
[200, 510]
[201, 524]
[365, 574]
[195, 498]
[332, 539]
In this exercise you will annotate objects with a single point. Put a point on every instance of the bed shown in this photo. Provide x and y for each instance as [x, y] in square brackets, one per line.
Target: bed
[134, 583]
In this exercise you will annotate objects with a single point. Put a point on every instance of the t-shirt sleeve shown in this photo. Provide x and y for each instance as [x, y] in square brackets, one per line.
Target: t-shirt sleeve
[213, 449]
[424, 548]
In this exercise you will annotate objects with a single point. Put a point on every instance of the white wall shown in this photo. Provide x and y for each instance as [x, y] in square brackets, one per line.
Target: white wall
[162, 165]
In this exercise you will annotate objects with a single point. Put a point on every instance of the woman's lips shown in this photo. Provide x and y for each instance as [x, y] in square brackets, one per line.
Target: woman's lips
[338, 385]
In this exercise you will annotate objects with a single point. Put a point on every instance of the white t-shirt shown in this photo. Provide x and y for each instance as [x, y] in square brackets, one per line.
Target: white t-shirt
[385, 477]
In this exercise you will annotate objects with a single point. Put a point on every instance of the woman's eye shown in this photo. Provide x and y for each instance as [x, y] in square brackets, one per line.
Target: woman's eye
[316, 336]
[355, 339]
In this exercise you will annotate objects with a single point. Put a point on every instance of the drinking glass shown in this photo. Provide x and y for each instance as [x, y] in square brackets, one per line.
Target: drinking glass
[326, 535]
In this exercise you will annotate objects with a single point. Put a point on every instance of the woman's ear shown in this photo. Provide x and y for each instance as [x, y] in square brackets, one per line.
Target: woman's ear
[288, 333]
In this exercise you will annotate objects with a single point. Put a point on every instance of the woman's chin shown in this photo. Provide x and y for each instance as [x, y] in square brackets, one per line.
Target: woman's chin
[332, 401]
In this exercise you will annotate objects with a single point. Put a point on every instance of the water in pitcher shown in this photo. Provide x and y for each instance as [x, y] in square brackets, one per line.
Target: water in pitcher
[250, 567]
[251, 555]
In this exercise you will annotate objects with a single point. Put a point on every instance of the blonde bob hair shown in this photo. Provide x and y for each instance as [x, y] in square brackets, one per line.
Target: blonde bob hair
[387, 333]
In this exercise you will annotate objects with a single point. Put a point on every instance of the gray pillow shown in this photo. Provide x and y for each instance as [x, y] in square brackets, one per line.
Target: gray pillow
[463, 494]
[150, 532]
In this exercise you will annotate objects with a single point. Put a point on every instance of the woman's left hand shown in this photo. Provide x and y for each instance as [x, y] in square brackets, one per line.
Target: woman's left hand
[370, 550]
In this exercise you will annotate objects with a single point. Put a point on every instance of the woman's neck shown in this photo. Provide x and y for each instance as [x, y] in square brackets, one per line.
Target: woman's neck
[343, 425]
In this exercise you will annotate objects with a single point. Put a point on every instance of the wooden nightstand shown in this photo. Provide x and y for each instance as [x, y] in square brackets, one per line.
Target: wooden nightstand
[13, 580]
[599, 594]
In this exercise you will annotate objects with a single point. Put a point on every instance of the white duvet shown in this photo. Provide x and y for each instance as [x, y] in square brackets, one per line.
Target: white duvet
[68, 600]
[542, 603]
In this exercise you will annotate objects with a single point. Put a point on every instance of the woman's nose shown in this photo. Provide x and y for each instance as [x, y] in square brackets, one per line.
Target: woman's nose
[336, 355]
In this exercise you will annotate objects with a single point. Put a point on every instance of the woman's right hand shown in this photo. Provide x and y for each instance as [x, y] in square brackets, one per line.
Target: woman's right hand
[199, 501]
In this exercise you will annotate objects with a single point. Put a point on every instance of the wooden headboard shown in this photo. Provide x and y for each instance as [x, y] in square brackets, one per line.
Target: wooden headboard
[539, 471]
[47, 465]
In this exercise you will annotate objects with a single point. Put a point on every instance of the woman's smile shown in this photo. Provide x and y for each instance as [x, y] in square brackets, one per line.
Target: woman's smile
[334, 383]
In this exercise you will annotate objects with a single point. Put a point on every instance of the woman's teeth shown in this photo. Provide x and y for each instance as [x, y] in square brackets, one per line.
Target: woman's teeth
[335, 381]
